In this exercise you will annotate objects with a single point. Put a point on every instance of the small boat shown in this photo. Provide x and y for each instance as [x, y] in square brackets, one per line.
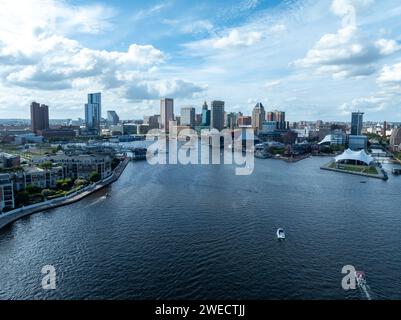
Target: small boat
[360, 278]
[108, 195]
[280, 234]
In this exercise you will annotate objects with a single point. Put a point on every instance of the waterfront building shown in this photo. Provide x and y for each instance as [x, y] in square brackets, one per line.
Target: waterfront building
[166, 113]
[130, 128]
[269, 126]
[337, 137]
[8, 161]
[39, 117]
[62, 132]
[117, 130]
[79, 166]
[244, 121]
[395, 140]
[6, 193]
[279, 118]
[258, 117]
[357, 142]
[217, 115]
[37, 177]
[187, 116]
[357, 123]
[93, 113]
[152, 121]
[112, 118]
[28, 138]
[354, 157]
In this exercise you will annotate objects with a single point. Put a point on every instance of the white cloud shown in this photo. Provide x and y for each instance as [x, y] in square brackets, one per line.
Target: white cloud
[197, 26]
[35, 56]
[55, 62]
[234, 39]
[155, 89]
[347, 53]
[390, 74]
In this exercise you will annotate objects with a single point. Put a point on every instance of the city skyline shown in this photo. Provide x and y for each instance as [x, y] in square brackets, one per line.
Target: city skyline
[348, 59]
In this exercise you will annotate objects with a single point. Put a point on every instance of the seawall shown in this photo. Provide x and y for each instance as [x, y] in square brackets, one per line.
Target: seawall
[11, 216]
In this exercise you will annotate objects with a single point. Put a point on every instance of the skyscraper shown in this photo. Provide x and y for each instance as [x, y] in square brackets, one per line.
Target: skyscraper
[112, 118]
[357, 123]
[205, 115]
[258, 117]
[217, 115]
[93, 112]
[39, 117]
[166, 113]
[279, 118]
[188, 116]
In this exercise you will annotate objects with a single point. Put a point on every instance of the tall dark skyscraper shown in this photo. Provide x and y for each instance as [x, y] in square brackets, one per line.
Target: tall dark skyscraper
[205, 115]
[357, 123]
[217, 115]
[166, 113]
[93, 112]
[39, 117]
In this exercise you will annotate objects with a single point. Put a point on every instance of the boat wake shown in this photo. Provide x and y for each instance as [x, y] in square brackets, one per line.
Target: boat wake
[363, 286]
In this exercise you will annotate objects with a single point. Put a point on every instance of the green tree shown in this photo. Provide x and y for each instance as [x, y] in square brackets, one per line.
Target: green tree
[32, 190]
[22, 198]
[47, 193]
[80, 182]
[94, 177]
[64, 184]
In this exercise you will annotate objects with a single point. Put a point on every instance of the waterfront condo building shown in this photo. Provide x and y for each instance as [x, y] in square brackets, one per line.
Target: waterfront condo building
[166, 113]
[6, 193]
[79, 166]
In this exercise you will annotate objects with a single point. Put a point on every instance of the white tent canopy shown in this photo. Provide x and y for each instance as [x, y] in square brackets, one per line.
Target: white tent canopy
[361, 156]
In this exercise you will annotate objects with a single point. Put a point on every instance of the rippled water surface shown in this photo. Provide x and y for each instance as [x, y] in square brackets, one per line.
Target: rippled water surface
[197, 232]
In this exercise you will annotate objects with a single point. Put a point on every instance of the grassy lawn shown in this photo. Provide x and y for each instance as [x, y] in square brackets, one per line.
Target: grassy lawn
[354, 168]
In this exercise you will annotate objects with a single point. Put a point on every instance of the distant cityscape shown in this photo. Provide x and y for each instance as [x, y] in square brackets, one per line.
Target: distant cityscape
[41, 159]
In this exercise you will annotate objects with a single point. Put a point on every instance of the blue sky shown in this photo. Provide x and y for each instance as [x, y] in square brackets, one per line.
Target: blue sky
[313, 59]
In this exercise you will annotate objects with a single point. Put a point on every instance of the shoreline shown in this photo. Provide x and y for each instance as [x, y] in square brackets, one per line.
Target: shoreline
[377, 176]
[14, 215]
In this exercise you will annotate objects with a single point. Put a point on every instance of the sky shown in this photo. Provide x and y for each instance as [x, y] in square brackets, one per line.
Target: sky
[316, 60]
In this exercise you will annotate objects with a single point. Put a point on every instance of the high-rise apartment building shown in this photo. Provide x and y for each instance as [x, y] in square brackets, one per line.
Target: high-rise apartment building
[258, 117]
[93, 113]
[187, 116]
[217, 115]
[166, 113]
[39, 117]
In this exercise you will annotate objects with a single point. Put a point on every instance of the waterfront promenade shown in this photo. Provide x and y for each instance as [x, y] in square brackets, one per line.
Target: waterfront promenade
[10, 217]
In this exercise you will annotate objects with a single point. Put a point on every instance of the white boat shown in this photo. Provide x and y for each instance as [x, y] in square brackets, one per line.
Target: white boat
[360, 278]
[280, 234]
